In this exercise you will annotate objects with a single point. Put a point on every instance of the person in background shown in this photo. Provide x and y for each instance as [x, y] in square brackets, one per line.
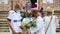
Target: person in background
[51, 22]
[33, 3]
[39, 29]
[52, 10]
[42, 12]
[14, 20]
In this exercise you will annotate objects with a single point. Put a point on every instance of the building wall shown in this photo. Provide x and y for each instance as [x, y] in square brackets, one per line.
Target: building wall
[7, 7]
[4, 6]
[55, 5]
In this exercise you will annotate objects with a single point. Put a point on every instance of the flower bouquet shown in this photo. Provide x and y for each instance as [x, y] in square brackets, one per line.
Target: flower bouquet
[28, 22]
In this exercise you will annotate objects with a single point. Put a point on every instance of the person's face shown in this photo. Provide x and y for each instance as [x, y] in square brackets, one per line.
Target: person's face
[38, 14]
[49, 13]
[17, 7]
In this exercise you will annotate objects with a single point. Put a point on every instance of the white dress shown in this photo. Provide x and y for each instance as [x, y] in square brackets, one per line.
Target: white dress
[39, 28]
[15, 21]
[54, 24]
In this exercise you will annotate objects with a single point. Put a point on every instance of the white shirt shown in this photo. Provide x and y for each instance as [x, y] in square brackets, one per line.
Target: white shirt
[15, 20]
[40, 26]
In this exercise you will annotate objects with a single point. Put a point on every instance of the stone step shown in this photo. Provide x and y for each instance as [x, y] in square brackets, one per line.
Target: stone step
[4, 30]
[59, 21]
[57, 30]
[58, 27]
[3, 17]
[3, 22]
[57, 13]
[3, 12]
[59, 24]
[58, 16]
[3, 25]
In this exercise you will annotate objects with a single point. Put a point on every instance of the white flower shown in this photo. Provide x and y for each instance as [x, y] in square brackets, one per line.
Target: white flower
[26, 21]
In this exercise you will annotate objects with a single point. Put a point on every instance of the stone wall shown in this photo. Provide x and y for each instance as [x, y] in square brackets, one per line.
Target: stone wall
[55, 5]
[7, 7]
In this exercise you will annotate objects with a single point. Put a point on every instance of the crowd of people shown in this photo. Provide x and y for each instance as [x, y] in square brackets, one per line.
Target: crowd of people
[32, 22]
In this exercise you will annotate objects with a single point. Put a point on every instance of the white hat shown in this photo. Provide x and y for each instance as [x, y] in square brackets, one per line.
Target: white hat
[49, 9]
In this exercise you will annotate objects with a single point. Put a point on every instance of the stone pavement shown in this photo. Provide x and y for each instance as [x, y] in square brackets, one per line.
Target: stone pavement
[8, 32]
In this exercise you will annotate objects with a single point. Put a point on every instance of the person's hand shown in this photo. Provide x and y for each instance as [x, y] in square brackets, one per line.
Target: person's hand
[26, 32]
[28, 26]
[13, 32]
[22, 26]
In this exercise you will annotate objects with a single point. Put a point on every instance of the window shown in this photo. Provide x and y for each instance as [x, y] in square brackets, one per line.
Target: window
[45, 1]
[0, 0]
[5, 1]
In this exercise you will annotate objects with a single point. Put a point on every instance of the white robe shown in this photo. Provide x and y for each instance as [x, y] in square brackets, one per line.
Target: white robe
[40, 26]
[54, 24]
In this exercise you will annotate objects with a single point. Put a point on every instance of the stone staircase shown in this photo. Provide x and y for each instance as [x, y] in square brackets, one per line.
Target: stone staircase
[57, 13]
[3, 21]
[4, 25]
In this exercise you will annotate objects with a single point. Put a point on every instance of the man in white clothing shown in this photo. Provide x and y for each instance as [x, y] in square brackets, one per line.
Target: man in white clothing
[39, 29]
[51, 22]
[14, 21]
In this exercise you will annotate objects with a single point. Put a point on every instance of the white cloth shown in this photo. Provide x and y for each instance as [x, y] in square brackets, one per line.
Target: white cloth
[15, 21]
[26, 20]
[39, 28]
[54, 24]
